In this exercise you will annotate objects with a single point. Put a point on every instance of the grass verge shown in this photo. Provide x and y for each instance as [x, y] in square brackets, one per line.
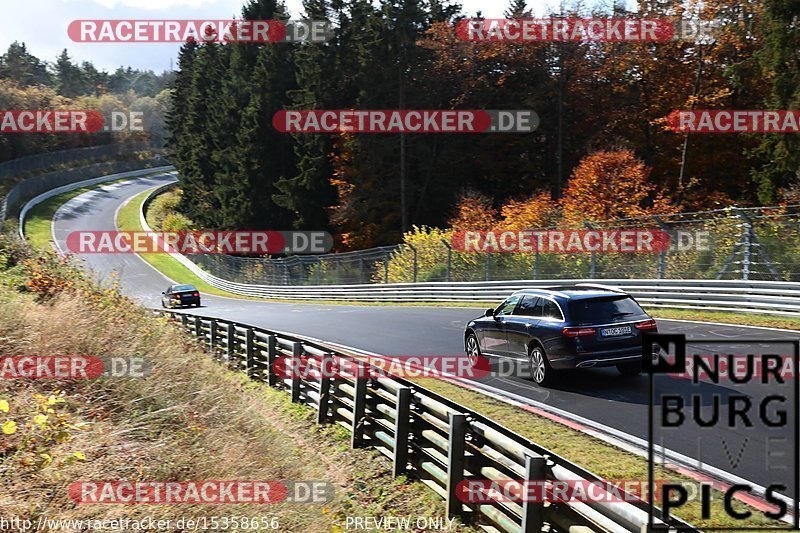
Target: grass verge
[724, 317]
[128, 220]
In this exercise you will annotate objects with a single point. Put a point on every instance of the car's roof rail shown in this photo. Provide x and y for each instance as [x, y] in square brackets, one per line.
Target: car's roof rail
[603, 287]
[583, 286]
[550, 290]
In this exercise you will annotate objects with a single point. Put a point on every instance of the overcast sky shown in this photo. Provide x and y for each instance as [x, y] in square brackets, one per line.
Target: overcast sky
[42, 25]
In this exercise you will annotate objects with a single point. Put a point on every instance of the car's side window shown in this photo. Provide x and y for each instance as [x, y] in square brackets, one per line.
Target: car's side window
[530, 306]
[551, 311]
[169, 290]
[507, 307]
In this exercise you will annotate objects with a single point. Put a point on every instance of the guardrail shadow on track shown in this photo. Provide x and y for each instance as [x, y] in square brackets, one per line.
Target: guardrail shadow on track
[425, 435]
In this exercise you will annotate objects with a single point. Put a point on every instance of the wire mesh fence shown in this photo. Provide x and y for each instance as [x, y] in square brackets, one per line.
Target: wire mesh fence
[21, 179]
[732, 243]
[32, 163]
[364, 266]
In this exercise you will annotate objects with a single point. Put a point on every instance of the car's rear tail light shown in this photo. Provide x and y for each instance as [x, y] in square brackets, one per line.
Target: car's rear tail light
[578, 332]
[646, 325]
[197, 294]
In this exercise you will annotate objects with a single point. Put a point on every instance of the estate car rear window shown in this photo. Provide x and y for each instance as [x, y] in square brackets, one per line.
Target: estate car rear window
[604, 310]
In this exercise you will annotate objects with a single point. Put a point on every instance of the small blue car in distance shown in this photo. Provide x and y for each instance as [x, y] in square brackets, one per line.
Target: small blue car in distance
[563, 327]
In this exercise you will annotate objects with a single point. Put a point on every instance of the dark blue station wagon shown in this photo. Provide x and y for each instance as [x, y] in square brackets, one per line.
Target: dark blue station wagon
[563, 327]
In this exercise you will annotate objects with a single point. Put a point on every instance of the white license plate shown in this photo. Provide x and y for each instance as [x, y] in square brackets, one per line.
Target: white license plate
[614, 332]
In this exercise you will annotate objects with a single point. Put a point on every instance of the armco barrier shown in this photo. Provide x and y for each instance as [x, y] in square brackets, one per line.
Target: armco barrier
[760, 297]
[425, 435]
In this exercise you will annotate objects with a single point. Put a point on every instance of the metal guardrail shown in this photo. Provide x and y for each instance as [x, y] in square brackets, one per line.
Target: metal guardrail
[425, 435]
[757, 297]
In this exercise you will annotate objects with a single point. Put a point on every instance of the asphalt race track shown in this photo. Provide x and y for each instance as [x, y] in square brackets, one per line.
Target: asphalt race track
[597, 394]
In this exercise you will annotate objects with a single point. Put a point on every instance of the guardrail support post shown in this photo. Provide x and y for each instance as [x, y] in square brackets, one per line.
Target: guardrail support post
[533, 510]
[272, 352]
[402, 429]
[198, 331]
[213, 329]
[449, 259]
[297, 353]
[184, 321]
[593, 258]
[324, 387]
[662, 256]
[250, 352]
[359, 404]
[414, 272]
[455, 462]
[231, 344]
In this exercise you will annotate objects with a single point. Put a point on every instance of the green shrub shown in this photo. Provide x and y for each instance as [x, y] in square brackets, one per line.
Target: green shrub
[176, 222]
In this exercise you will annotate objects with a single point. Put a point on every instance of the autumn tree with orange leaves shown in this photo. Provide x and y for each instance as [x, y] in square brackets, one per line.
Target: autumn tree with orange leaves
[474, 211]
[609, 185]
[537, 211]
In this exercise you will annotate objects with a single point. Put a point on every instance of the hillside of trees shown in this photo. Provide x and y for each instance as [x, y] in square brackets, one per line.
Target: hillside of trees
[27, 82]
[599, 102]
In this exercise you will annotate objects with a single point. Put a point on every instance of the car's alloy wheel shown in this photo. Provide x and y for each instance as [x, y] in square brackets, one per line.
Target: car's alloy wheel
[540, 370]
[473, 351]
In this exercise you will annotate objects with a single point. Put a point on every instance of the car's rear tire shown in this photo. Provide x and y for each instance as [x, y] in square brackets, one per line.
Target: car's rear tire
[541, 371]
[473, 350]
[630, 369]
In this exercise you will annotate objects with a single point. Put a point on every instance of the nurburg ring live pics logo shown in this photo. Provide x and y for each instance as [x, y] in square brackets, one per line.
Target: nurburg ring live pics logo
[729, 408]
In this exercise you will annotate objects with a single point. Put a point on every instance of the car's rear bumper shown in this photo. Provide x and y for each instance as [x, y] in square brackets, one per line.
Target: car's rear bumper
[186, 301]
[610, 361]
[598, 358]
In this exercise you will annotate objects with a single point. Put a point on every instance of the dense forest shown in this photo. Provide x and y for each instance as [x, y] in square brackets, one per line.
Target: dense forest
[604, 147]
[27, 82]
